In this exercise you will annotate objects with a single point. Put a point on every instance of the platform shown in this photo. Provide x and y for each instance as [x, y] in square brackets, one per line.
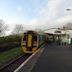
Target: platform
[55, 58]
[50, 58]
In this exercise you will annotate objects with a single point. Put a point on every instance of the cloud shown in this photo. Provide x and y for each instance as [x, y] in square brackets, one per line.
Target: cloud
[34, 21]
[19, 9]
[53, 14]
[53, 6]
[65, 19]
[45, 23]
[48, 14]
[51, 10]
[39, 23]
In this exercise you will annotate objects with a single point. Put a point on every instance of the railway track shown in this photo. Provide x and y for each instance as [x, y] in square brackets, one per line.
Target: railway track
[12, 65]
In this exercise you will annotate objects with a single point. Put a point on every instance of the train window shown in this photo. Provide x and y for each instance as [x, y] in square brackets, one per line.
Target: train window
[35, 38]
[24, 37]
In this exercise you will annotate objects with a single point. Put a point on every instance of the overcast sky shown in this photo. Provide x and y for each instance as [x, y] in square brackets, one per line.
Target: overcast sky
[36, 13]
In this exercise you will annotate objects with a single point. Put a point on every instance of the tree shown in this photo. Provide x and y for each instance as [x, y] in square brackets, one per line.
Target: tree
[3, 27]
[39, 30]
[18, 29]
[68, 26]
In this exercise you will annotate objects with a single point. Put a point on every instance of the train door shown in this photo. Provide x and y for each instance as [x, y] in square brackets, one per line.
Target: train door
[29, 42]
[24, 39]
[35, 42]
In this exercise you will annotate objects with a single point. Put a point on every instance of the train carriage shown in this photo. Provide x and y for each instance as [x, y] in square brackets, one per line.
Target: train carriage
[31, 41]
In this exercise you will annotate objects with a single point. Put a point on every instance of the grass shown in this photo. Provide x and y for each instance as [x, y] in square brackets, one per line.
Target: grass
[7, 55]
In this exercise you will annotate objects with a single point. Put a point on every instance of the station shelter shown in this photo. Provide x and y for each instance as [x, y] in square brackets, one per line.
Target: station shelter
[57, 35]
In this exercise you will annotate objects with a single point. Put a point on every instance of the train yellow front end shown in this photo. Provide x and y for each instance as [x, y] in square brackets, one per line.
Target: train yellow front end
[29, 43]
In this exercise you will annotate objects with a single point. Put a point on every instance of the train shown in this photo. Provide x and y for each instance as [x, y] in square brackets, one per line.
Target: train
[32, 40]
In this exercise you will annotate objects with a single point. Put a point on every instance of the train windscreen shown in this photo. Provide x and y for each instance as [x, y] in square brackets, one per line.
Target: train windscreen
[24, 37]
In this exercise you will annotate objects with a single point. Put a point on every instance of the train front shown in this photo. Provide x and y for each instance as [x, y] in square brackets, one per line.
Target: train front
[29, 43]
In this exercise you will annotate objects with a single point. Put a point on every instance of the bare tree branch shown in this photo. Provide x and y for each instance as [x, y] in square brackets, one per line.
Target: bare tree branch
[18, 29]
[39, 30]
[3, 27]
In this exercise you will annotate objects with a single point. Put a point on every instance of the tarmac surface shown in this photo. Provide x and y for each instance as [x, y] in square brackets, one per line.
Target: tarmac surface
[55, 58]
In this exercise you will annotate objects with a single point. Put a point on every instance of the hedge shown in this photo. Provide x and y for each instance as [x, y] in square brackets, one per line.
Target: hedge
[9, 42]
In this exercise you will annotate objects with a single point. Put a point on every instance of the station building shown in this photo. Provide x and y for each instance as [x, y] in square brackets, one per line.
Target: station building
[64, 35]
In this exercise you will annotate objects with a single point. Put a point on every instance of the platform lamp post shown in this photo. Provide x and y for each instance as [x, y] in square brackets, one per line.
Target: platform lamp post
[68, 10]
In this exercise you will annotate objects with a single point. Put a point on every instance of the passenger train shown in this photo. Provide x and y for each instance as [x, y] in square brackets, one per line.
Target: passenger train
[31, 41]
